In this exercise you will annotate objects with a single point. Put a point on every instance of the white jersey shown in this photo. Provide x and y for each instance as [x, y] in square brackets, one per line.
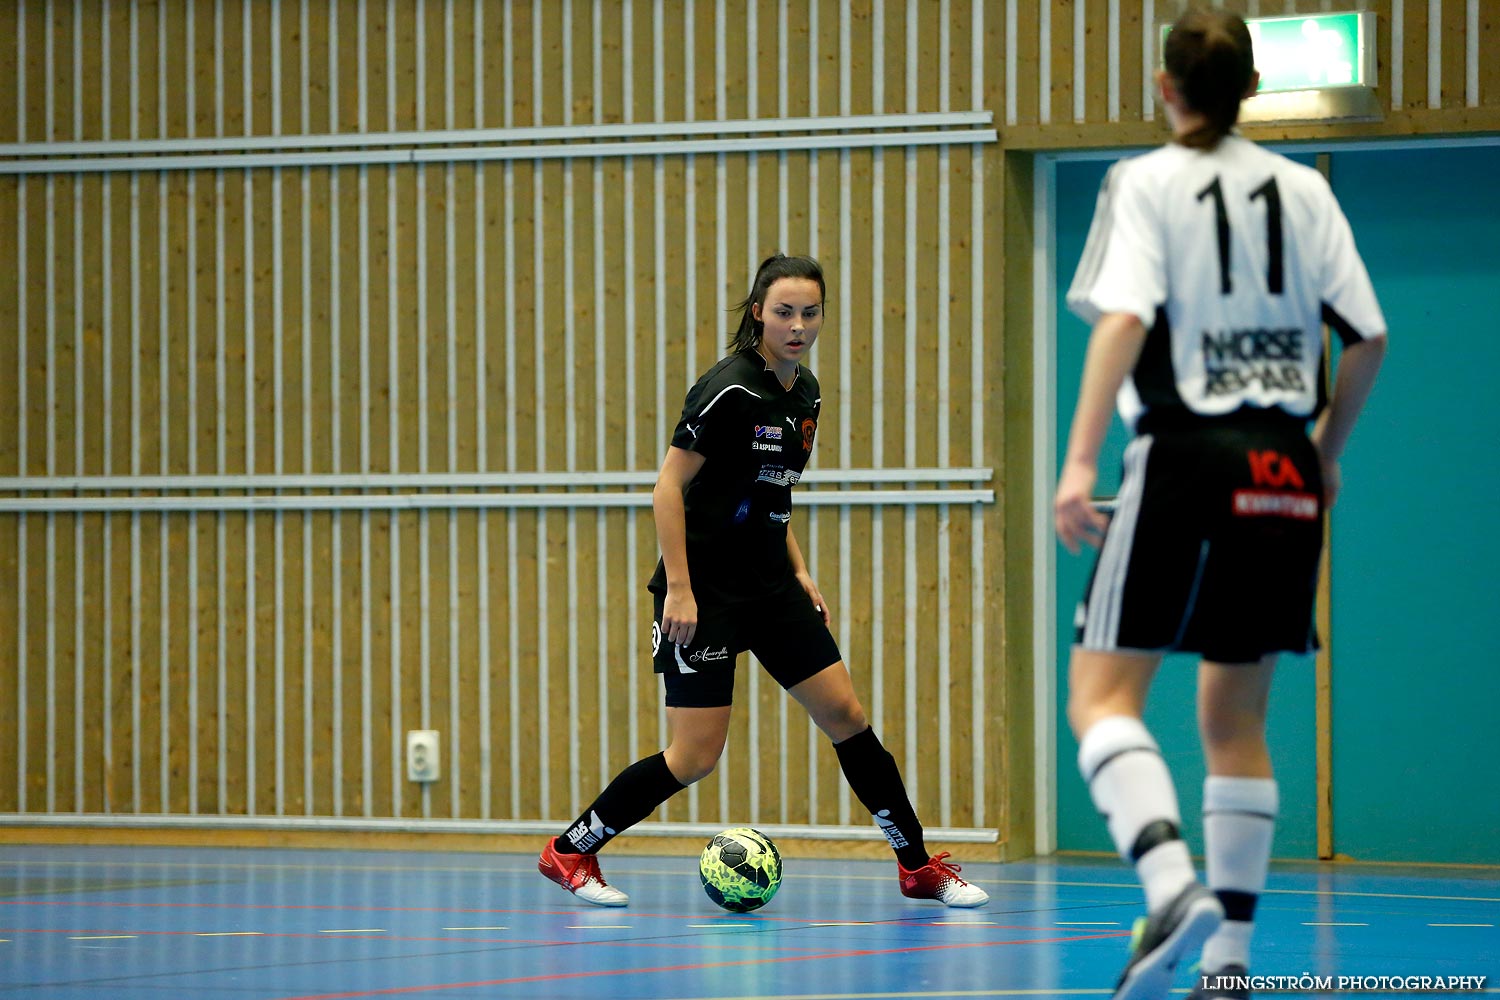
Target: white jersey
[1232, 259]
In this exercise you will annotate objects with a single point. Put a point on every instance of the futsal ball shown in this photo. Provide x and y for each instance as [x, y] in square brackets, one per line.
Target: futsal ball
[740, 869]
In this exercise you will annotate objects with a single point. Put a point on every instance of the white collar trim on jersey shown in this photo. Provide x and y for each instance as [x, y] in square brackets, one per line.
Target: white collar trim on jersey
[795, 375]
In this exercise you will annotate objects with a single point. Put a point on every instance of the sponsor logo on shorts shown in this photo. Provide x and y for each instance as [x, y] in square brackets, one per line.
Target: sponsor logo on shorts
[1264, 503]
[709, 655]
[1271, 468]
[769, 432]
[764, 446]
[780, 516]
[655, 637]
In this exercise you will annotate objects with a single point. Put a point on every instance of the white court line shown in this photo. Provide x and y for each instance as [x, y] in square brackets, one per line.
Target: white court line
[103, 937]
[229, 934]
[355, 930]
[1460, 925]
[964, 923]
[476, 928]
[1087, 923]
[598, 927]
[1330, 923]
[721, 925]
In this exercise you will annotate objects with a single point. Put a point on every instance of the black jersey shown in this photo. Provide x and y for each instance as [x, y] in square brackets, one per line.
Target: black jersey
[756, 437]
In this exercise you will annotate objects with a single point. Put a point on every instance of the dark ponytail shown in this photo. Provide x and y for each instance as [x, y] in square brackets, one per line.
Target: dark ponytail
[1209, 57]
[771, 270]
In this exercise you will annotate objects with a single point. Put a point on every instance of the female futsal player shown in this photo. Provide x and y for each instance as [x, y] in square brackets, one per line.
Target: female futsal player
[731, 578]
[1209, 270]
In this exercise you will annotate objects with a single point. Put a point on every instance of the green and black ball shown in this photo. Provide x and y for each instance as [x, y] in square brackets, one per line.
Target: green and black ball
[740, 869]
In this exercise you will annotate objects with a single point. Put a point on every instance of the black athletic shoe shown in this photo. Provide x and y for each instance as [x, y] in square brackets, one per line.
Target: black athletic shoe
[1163, 938]
[1217, 985]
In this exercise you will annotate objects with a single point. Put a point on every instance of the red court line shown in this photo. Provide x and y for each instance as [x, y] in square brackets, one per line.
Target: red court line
[355, 908]
[554, 977]
[710, 917]
[316, 936]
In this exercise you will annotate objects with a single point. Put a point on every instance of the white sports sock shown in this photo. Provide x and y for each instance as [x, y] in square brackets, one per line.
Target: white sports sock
[1239, 820]
[1132, 787]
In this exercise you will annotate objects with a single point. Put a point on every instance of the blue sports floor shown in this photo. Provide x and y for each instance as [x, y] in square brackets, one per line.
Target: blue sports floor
[190, 924]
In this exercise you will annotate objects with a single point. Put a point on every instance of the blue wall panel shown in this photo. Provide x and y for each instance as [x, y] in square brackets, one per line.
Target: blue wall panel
[1416, 548]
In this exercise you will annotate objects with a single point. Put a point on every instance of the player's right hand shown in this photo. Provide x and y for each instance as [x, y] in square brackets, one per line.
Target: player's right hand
[1073, 511]
[679, 616]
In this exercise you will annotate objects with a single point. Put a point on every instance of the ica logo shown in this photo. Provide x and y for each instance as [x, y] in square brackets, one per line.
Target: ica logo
[1271, 468]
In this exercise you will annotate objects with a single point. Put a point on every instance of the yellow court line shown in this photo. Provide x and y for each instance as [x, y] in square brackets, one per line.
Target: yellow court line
[229, 934]
[103, 937]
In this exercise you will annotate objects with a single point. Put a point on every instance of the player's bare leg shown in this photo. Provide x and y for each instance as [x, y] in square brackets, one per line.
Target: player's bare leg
[1132, 788]
[1240, 802]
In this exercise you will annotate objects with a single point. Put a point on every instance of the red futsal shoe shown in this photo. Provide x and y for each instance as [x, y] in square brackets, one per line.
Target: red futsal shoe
[939, 880]
[579, 874]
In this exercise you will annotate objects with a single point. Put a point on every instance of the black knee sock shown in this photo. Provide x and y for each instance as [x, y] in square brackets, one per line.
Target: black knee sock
[872, 773]
[630, 798]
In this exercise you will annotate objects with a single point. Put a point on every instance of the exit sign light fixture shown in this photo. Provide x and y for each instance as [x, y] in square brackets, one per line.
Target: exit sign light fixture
[1313, 67]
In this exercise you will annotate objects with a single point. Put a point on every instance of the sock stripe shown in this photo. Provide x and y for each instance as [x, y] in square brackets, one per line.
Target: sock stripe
[1152, 836]
[1251, 813]
[1118, 754]
[1237, 905]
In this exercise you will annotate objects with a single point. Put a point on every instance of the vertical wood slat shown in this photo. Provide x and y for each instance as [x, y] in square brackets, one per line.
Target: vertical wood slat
[1453, 44]
[1414, 55]
[1057, 88]
[1487, 55]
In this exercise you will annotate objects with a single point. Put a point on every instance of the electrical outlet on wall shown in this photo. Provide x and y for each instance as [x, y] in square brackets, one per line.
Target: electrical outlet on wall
[423, 761]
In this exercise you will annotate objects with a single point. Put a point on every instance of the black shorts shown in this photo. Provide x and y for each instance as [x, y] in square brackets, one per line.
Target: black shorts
[1213, 546]
[783, 629]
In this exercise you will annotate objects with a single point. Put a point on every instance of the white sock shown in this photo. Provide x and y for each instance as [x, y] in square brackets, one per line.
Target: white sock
[1131, 786]
[1239, 819]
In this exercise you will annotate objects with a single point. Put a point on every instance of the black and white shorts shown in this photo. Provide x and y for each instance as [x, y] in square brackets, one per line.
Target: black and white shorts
[1213, 546]
[784, 631]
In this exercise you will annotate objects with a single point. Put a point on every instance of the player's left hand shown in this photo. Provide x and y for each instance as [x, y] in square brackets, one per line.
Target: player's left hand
[820, 605]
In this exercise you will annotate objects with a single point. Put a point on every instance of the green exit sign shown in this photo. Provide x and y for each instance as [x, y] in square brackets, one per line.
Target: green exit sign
[1313, 51]
[1313, 67]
